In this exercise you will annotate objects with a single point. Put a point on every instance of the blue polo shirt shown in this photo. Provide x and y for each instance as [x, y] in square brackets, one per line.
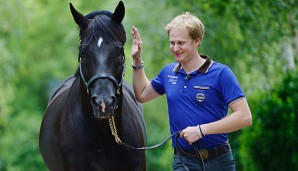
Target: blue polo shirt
[197, 98]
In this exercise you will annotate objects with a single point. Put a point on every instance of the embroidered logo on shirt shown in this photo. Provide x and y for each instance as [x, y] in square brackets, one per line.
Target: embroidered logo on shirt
[201, 87]
[200, 97]
[173, 79]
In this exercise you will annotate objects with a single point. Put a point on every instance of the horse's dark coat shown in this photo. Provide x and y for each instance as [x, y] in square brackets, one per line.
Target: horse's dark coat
[72, 137]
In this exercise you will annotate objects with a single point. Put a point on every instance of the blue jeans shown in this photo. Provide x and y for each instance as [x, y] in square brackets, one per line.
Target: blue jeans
[224, 162]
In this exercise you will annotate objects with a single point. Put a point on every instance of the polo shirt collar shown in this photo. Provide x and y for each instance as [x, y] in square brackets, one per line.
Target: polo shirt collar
[203, 69]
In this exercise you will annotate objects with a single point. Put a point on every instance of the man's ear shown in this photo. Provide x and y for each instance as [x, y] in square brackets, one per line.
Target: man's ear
[198, 41]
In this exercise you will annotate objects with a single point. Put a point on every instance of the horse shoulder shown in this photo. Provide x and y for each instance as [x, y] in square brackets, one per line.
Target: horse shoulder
[49, 140]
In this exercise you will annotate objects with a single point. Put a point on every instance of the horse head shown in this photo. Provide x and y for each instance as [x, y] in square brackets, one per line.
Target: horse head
[101, 58]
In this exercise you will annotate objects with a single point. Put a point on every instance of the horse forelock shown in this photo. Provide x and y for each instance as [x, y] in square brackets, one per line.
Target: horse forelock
[103, 26]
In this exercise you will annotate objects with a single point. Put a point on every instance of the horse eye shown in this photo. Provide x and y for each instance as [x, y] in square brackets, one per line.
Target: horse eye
[82, 54]
[121, 50]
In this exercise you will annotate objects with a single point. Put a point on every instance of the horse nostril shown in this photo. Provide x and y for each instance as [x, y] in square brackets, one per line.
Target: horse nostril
[95, 100]
[113, 103]
[110, 101]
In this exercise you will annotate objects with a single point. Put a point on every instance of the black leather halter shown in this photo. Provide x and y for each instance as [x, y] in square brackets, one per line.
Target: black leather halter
[97, 76]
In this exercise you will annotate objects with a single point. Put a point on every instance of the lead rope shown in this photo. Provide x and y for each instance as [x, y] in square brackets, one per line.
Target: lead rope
[114, 130]
[178, 153]
[118, 140]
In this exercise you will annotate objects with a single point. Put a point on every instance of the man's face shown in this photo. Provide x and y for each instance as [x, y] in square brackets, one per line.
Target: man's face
[182, 45]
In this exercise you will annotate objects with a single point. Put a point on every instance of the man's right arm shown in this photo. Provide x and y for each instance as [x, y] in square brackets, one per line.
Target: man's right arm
[142, 87]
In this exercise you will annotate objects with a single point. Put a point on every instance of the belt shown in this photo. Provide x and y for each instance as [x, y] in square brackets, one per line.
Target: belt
[205, 153]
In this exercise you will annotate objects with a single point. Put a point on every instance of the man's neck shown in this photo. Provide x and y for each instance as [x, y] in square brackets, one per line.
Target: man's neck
[193, 64]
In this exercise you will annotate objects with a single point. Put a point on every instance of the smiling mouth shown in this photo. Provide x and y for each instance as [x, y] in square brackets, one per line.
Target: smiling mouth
[177, 54]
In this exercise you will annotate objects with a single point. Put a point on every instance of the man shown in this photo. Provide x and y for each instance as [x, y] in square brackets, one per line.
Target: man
[199, 93]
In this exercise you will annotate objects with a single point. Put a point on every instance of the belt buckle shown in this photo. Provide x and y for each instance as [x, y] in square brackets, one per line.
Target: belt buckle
[204, 154]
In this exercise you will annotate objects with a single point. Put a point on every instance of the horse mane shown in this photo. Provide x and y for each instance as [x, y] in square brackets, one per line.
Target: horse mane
[103, 26]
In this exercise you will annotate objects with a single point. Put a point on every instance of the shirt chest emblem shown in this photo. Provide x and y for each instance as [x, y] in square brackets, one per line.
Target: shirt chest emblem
[172, 79]
[200, 97]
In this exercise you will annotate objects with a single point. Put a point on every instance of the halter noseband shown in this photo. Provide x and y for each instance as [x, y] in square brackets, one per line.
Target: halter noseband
[101, 76]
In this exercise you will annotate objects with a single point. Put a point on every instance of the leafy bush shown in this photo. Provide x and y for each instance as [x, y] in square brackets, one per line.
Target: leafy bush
[271, 143]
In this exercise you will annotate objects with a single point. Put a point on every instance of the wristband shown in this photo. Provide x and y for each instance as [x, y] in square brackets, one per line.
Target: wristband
[201, 131]
[138, 67]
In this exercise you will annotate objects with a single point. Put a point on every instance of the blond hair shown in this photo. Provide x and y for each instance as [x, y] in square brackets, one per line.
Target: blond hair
[192, 23]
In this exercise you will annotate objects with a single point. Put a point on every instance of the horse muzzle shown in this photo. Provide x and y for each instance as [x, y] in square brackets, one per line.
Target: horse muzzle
[104, 107]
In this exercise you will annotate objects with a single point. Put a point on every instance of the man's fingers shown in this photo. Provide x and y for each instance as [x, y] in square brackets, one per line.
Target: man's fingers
[135, 33]
[181, 134]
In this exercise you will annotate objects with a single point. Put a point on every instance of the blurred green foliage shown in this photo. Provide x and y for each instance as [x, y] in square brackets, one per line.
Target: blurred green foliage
[257, 39]
[272, 141]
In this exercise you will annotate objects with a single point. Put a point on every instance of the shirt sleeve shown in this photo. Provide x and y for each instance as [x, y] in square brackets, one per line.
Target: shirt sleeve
[157, 84]
[229, 86]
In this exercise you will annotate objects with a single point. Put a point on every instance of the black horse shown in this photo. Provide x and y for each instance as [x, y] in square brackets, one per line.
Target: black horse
[75, 133]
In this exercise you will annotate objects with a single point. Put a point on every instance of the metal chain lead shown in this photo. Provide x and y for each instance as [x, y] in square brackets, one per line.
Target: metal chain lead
[114, 130]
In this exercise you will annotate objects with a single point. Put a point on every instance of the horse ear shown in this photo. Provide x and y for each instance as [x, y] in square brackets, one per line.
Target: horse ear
[79, 18]
[119, 13]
